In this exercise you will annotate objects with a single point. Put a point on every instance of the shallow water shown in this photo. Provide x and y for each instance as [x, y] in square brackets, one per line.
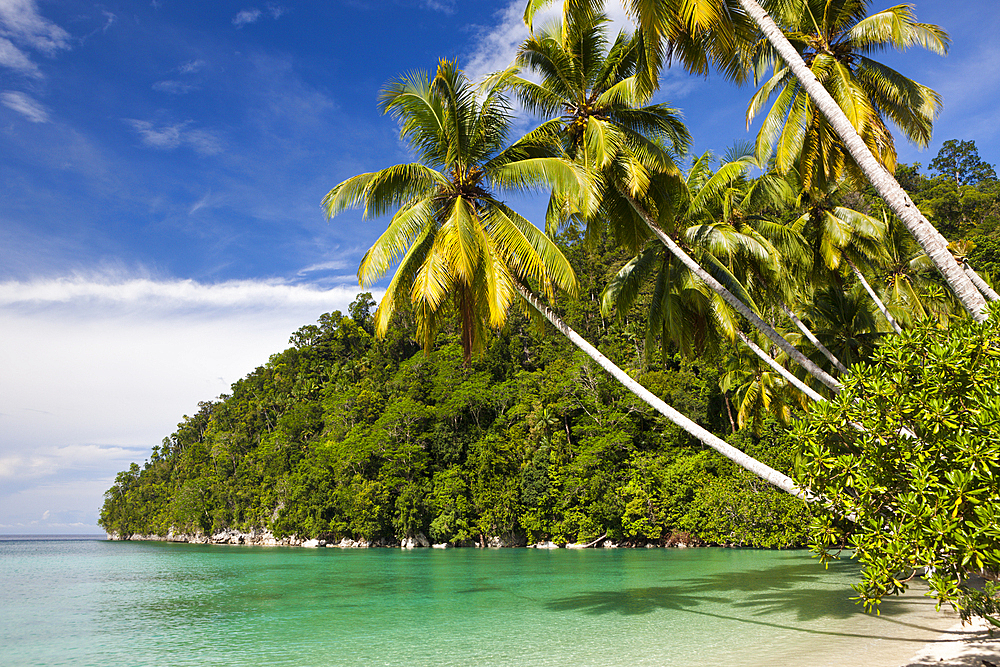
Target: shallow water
[124, 603]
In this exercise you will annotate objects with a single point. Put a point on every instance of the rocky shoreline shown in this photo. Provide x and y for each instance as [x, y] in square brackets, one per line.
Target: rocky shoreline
[265, 538]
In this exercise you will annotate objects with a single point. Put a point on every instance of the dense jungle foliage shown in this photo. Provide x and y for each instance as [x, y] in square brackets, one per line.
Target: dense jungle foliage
[346, 435]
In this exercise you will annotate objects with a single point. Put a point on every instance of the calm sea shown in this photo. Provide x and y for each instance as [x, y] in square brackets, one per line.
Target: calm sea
[91, 602]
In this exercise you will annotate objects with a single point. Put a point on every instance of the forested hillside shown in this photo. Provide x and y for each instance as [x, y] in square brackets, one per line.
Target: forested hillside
[342, 435]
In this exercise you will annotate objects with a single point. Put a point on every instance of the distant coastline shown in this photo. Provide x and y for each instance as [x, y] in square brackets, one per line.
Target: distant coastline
[52, 536]
[265, 538]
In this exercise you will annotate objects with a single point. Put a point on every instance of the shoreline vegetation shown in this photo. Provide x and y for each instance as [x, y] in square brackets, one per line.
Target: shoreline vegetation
[266, 538]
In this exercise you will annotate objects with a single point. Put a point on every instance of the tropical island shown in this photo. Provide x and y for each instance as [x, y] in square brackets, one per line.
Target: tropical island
[786, 305]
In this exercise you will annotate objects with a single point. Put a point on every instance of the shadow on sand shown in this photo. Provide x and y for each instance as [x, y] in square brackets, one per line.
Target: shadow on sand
[751, 596]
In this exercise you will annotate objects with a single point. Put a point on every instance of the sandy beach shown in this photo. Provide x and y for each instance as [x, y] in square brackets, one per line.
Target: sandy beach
[961, 646]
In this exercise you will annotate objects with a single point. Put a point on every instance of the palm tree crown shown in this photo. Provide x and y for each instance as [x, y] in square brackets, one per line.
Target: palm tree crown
[836, 39]
[449, 233]
[589, 91]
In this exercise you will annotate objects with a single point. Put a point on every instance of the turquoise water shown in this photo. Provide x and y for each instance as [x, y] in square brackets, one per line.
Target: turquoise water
[112, 603]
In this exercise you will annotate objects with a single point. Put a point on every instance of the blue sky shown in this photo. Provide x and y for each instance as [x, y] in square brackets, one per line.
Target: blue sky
[161, 169]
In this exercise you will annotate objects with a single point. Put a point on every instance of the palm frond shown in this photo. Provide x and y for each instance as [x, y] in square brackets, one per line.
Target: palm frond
[622, 291]
[411, 220]
[897, 27]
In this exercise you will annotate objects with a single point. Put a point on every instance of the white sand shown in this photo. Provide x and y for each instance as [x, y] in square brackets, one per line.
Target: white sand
[961, 646]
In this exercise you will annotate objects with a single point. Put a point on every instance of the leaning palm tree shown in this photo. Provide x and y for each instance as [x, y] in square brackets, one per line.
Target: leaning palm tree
[606, 125]
[451, 236]
[845, 322]
[758, 392]
[841, 236]
[588, 91]
[836, 39]
[702, 33]
[713, 207]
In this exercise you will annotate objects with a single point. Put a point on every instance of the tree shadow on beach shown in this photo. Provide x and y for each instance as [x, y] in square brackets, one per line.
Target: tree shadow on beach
[749, 596]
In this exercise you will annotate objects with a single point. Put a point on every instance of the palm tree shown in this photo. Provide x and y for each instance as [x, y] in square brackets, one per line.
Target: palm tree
[449, 233]
[715, 207]
[589, 93]
[835, 39]
[683, 309]
[606, 125]
[704, 32]
[839, 235]
[845, 323]
[758, 391]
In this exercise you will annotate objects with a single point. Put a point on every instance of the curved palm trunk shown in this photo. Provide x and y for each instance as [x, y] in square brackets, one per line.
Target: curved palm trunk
[812, 339]
[781, 370]
[763, 471]
[933, 243]
[981, 284]
[874, 296]
[731, 299]
[801, 386]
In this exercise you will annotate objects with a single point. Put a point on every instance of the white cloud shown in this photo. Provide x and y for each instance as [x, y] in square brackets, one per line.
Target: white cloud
[25, 106]
[207, 200]
[171, 296]
[21, 22]
[443, 6]
[246, 16]
[109, 20]
[333, 265]
[98, 369]
[16, 59]
[254, 14]
[46, 461]
[169, 137]
[203, 142]
[191, 67]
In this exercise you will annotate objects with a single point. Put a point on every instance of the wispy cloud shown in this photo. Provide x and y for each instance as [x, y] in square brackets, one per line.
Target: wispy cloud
[109, 20]
[333, 265]
[22, 27]
[172, 295]
[443, 6]
[191, 67]
[46, 461]
[207, 200]
[497, 44]
[247, 16]
[21, 22]
[179, 87]
[16, 59]
[254, 14]
[169, 137]
[24, 105]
